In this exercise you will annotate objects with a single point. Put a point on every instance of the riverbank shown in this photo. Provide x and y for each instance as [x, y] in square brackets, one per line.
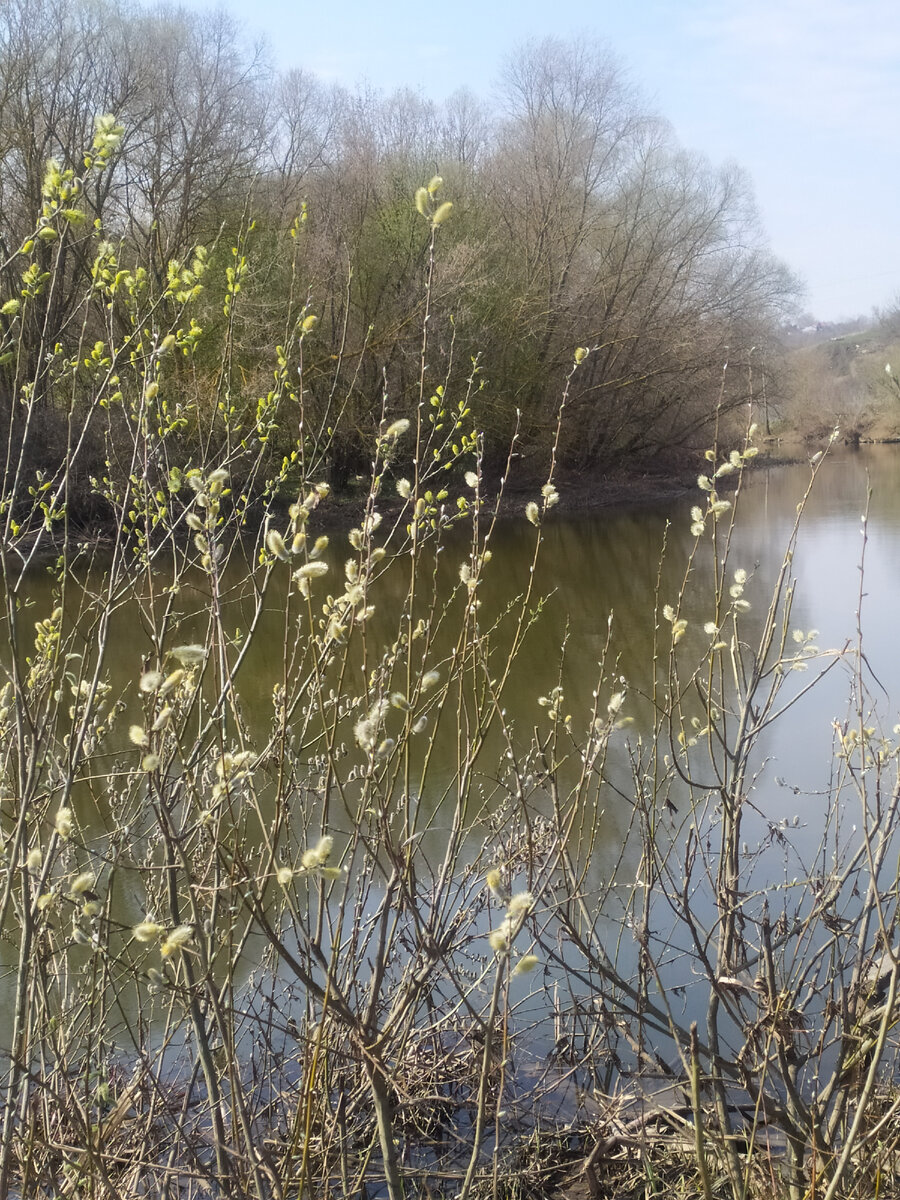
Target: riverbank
[581, 494]
[639, 486]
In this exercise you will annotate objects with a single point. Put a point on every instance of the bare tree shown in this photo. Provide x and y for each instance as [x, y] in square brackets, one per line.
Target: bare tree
[304, 120]
[198, 123]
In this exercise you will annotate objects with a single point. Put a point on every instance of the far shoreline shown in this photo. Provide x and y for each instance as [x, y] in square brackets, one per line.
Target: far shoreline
[581, 496]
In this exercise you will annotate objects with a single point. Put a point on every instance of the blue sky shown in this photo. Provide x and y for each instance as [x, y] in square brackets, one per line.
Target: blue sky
[804, 94]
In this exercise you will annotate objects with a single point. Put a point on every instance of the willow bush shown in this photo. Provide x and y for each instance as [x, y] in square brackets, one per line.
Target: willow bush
[274, 946]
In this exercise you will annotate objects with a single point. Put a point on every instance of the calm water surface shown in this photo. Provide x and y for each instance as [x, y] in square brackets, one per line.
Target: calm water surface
[608, 565]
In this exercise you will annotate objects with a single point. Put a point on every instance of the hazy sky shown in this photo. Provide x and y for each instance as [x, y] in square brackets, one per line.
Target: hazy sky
[805, 94]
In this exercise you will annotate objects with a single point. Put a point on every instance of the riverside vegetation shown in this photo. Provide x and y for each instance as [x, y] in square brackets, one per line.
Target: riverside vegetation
[256, 965]
[578, 221]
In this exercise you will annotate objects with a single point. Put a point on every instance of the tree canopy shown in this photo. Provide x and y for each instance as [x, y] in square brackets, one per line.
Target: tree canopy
[578, 221]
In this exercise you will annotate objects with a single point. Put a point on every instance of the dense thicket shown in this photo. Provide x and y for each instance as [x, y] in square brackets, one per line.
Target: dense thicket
[577, 220]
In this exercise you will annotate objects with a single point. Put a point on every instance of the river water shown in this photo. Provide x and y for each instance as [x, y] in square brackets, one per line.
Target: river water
[605, 578]
[606, 568]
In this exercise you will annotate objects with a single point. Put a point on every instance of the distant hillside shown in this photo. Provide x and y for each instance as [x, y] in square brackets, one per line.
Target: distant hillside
[836, 376]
